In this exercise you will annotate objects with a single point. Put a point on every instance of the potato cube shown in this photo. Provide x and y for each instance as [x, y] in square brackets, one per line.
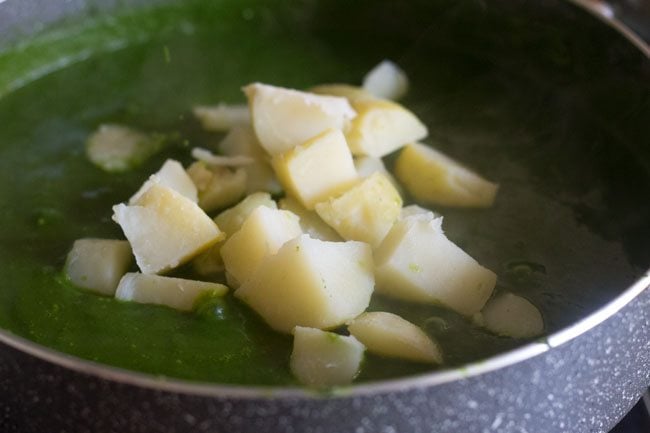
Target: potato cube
[414, 209]
[365, 212]
[324, 359]
[241, 141]
[177, 293]
[165, 229]
[318, 169]
[172, 175]
[389, 335]
[218, 187]
[222, 117]
[98, 264]
[262, 234]
[386, 80]
[367, 165]
[284, 118]
[381, 127]
[310, 222]
[312, 283]
[416, 262]
[229, 221]
[117, 148]
[432, 177]
[512, 316]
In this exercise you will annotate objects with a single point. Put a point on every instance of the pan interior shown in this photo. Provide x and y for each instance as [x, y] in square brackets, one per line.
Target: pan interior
[543, 99]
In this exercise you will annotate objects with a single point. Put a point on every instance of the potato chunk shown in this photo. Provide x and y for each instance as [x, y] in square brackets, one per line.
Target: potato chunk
[352, 93]
[172, 175]
[386, 80]
[434, 178]
[318, 169]
[389, 335]
[313, 283]
[262, 234]
[98, 264]
[241, 141]
[218, 187]
[284, 118]
[310, 222]
[512, 316]
[221, 117]
[165, 229]
[416, 262]
[365, 212]
[176, 293]
[117, 148]
[381, 127]
[323, 359]
[229, 221]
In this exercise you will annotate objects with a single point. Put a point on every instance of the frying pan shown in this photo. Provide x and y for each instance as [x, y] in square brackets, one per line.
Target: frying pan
[545, 98]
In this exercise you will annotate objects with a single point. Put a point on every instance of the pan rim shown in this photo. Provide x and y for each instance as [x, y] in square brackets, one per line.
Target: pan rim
[109, 373]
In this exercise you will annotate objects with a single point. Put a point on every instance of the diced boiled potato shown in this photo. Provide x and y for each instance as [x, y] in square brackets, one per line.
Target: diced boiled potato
[241, 140]
[284, 118]
[98, 264]
[310, 222]
[389, 335]
[229, 221]
[367, 165]
[176, 293]
[116, 148]
[352, 93]
[312, 283]
[324, 359]
[381, 127]
[165, 229]
[512, 316]
[365, 212]
[416, 262]
[414, 209]
[172, 175]
[262, 234]
[318, 169]
[386, 80]
[433, 177]
[218, 187]
[222, 117]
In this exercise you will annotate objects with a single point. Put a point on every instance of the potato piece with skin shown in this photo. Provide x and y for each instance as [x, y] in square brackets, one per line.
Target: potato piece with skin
[172, 175]
[98, 264]
[165, 229]
[386, 80]
[387, 334]
[432, 177]
[416, 262]
[512, 316]
[284, 118]
[325, 359]
[312, 283]
[222, 117]
[262, 234]
[229, 221]
[382, 127]
[241, 141]
[310, 222]
[365, 212]
[177, 293]
[316, 170]
[218, 187]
